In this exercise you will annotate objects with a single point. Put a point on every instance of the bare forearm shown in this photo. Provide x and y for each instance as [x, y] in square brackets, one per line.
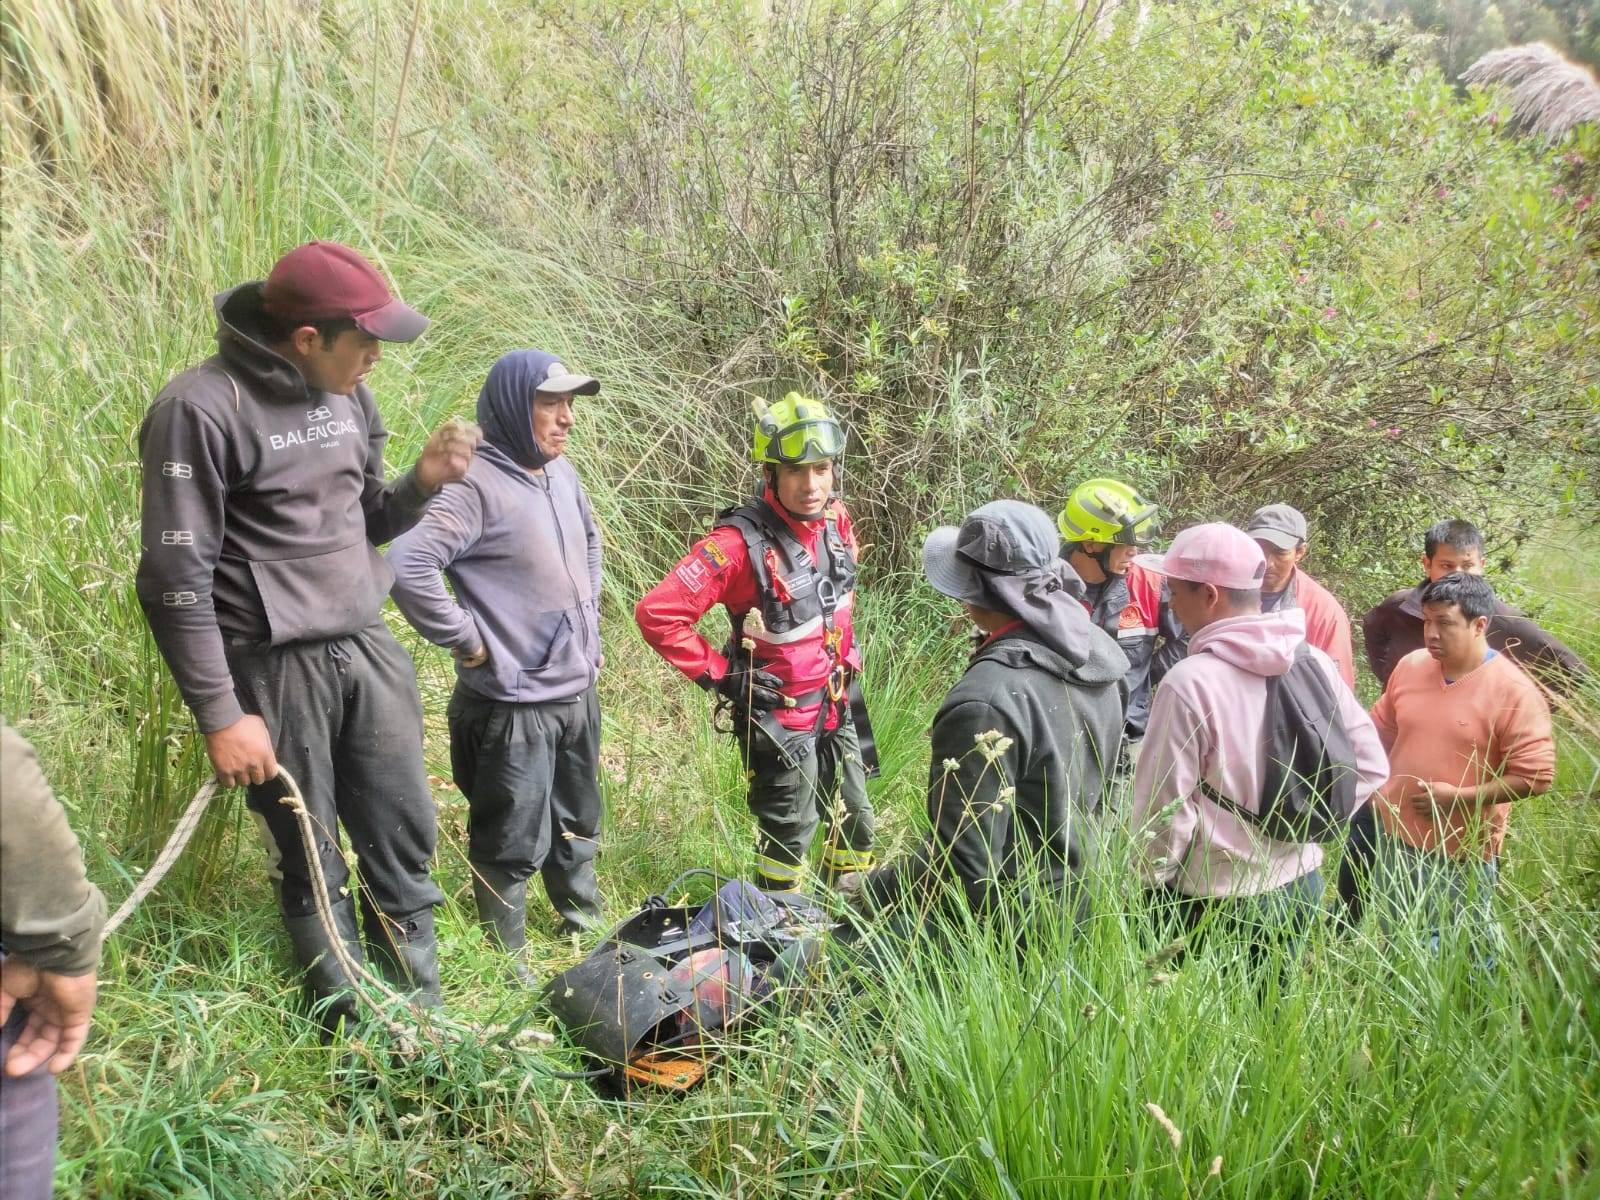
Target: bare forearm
[1500, 791]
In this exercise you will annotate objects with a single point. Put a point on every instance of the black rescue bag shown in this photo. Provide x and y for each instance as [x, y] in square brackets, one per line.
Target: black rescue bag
[647, 1005]
[1309, 792]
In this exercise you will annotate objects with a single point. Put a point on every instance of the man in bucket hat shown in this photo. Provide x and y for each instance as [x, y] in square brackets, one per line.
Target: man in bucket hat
[1199, 782]
[1024, 743]
[265, 498]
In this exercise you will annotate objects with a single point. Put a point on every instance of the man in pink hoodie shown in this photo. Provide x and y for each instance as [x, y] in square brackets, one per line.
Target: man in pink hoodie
[1206, 732]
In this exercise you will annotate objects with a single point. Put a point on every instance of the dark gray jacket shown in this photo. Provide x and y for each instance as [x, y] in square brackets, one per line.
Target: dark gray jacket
[263, 501]
[1063, 722]
[1393, 630]
[523, 554]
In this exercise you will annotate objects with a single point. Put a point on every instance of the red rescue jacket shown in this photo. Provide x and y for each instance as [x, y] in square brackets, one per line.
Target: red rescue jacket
[718, 570]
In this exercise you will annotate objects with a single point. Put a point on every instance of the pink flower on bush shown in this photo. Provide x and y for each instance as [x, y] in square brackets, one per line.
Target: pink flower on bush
[1393, 431]
[1442, 192]
[1221, 220]
[1559, 191]
[1329, 313]
[1372, 422]
[1583, 202]
[1573, 158]
[1303, 277]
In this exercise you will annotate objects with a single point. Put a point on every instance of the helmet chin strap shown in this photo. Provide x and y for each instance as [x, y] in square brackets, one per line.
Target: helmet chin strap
[815, 516]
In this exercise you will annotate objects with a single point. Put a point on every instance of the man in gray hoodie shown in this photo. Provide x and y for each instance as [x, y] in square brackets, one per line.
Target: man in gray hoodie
[519, 544]
[264, 497]
[1024, 743]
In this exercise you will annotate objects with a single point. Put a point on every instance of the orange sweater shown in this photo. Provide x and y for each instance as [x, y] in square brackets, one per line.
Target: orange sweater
[1491, 722]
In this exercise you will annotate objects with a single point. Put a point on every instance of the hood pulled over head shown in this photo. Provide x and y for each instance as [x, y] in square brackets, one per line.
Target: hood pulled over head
[505, 404]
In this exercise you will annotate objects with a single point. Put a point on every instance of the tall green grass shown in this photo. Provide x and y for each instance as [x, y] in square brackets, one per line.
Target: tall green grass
[154, 154]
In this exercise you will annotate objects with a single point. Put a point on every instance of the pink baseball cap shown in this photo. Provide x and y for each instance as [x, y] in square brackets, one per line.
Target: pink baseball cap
[1219, 554]
[323, 280]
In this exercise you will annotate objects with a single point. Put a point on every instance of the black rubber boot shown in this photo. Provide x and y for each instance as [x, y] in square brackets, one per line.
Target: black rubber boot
[328, 987]
[406, 952]
[575, 895]
[503, 912]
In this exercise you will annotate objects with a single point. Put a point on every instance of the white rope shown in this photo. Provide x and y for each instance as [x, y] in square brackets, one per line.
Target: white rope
[431, 1024]
[354, 970]
[176, 841]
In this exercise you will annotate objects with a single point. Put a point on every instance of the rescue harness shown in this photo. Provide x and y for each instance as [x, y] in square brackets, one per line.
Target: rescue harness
[798, 599]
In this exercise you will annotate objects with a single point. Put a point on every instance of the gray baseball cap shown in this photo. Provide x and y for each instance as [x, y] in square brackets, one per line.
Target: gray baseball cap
[1280, 525]
[560, 379]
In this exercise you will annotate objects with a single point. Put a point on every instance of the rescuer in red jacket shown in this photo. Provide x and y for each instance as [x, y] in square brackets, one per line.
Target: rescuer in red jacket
[783, 565]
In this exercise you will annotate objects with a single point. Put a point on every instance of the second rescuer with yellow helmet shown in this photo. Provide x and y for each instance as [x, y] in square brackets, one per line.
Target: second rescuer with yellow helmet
[1104, 524]
[783, 565]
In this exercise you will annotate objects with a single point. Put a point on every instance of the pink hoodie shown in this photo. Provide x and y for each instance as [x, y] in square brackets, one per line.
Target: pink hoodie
[1206, 723]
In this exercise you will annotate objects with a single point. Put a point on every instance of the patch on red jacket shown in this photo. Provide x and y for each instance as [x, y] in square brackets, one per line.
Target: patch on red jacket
[693, 573]
[713, 555]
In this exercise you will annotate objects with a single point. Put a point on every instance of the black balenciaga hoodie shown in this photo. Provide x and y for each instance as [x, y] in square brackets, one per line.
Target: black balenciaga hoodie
[263, 501]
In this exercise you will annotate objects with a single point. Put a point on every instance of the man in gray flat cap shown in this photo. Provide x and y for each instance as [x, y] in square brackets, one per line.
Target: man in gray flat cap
[1026, 740]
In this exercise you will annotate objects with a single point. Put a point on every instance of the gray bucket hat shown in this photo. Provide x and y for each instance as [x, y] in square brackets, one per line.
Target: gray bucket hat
[1006, 556]
[1004, 536]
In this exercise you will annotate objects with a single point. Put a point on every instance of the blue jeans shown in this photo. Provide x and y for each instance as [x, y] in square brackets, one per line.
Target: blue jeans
[1436, 894]
[27, 1124]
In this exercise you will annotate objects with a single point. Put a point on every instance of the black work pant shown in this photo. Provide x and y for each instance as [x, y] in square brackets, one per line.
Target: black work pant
[827, 786]
[1360, 852]
[1268, 923]
[346, 721]
[531, 776]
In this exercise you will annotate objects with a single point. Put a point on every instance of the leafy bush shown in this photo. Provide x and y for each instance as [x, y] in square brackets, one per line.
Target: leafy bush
[1020, 247]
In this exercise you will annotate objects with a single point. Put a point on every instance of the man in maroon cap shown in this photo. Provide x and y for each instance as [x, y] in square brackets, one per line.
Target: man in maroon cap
[264, 501]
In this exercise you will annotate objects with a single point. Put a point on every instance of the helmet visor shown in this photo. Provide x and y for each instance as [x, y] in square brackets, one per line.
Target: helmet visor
[1138, 528]
[808, 441]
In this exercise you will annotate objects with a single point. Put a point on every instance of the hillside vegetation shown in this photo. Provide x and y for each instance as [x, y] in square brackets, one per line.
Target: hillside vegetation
[1235, 253]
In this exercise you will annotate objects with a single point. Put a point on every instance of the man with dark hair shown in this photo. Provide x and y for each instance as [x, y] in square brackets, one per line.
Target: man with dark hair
[1199, 783]
[783, 565]
[1468, 734]
[520, 546]
[1280, 530]
[1394, 628]
[1026, 740]
[264, 499]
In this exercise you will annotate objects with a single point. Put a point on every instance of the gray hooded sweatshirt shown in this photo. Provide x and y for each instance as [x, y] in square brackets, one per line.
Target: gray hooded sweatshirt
[1012, 812]
[263, 500]
[521, 551]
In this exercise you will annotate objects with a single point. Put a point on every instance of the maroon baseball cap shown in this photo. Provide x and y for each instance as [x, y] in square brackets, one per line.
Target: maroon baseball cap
[322, 281]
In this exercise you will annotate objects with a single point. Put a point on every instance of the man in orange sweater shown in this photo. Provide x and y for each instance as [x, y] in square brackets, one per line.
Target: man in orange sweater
[1467, 734]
